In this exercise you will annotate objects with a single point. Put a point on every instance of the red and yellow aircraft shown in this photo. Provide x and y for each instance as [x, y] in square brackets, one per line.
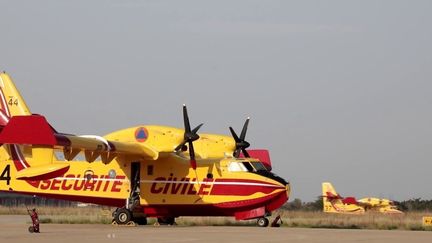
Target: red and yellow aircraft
[144, 171]
[335, 203]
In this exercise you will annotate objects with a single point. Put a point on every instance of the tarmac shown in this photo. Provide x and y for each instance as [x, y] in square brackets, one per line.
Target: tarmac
[13, 228]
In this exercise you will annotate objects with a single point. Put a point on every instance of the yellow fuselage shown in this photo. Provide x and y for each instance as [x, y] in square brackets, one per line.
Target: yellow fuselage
[167, 186]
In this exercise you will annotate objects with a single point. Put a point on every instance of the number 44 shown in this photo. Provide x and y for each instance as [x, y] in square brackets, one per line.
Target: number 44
[13, 101]
[5, 175]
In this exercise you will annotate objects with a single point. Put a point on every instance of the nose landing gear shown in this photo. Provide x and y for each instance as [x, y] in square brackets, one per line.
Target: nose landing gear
[263, 222]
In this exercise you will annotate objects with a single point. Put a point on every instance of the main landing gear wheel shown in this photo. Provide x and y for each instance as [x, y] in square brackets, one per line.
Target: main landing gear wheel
[262, 222]
[166, 221]
[122, 216]
[141, 221]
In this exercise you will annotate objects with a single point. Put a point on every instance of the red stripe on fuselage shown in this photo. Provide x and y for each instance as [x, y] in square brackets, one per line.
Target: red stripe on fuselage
[270, 202]
[4, 119]
[20, 162]
[18, 158]
[4, 103]
[241, 187]
[244, 180]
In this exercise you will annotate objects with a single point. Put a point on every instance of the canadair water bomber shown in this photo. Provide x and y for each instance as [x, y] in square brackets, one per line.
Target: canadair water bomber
[144, 171]
[335, 203]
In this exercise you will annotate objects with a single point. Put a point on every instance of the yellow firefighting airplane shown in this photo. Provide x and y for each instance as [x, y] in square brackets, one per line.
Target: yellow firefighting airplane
[144, 171]
[334, 203]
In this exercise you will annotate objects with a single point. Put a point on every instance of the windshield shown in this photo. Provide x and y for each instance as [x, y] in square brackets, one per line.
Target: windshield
[235, 167]
[248, 166]
[258, 166]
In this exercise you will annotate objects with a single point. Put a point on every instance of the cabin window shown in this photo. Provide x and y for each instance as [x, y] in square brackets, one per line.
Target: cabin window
[150, 170]
[59, 155]
[258, 166]
[236, 167]
[27, 151]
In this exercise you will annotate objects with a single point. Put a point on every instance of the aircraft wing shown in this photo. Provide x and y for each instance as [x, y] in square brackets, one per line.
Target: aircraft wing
[373, 201]
[93, 146]
[332, 196]
[36, 131]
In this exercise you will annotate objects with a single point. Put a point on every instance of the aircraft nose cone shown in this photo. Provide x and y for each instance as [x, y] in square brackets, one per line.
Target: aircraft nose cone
[282, 180]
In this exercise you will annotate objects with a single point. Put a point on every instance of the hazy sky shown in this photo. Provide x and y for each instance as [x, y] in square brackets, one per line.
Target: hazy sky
[339, 91]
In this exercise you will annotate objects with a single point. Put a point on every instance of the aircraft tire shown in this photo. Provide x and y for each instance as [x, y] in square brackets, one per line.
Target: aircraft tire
[141, 221]
[263, 222]
[166, 220]
[122, 216]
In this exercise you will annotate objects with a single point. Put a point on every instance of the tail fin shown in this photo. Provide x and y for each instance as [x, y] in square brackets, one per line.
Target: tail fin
[330, 198]
[334, 203]
[11, 104]
[328, 189]
[41, 158]
[11, 101]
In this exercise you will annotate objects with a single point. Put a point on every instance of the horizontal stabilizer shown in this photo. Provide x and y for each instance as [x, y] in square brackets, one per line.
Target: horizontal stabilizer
[43, 172]
[32, 129]
[350, 200]
[332, 196]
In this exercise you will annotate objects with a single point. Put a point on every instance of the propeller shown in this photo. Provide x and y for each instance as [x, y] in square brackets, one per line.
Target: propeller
[241, 143]
[189, 137]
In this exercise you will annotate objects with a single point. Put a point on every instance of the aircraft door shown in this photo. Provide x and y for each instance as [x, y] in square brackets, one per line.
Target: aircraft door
[135, 183]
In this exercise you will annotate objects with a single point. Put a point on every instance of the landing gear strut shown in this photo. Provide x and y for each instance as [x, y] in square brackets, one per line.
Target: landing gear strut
[263, 222]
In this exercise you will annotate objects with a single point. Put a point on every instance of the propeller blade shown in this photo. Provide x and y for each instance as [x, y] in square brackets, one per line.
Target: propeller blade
[192, 156]
[189, 137]
[244, 130]
[180, 146]
[186, 120]
[241, 143]
[245, 153]
[236, 138]
[195, 130]
[236, 153]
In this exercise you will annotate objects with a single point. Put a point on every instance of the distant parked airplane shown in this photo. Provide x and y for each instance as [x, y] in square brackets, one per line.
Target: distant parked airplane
[335, 203]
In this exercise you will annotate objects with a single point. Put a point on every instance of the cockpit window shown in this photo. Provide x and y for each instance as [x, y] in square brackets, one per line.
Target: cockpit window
[248, 166]
[258, 166]
[236, 167]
